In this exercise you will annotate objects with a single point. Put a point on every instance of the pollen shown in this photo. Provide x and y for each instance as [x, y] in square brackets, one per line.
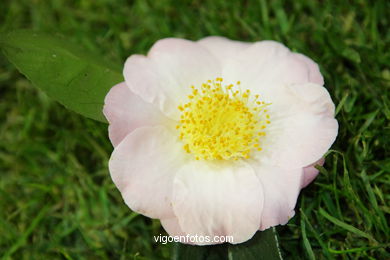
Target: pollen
[222, 121]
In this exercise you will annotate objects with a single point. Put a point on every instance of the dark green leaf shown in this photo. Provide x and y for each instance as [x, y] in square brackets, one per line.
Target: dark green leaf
[216, 252]
[263, 246]
[68, 74]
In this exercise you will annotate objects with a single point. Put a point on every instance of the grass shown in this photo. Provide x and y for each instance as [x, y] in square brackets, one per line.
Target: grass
[56, 198]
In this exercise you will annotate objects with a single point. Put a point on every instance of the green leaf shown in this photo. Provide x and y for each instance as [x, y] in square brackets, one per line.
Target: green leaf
[68, 74]
[263, 246]
[216, 252]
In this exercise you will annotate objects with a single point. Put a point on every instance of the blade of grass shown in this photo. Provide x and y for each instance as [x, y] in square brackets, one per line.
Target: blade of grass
[23, 238]
[345, 225]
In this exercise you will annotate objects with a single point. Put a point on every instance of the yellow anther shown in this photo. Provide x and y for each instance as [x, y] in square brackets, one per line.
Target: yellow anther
[221, 123]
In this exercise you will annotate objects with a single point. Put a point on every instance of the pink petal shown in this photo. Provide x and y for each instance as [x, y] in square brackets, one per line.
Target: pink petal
[281, 190]
[143, 166]
[222, 48]
[125, 112]
[164, 76]
[302, 127]
[218, 199]
[310, 172]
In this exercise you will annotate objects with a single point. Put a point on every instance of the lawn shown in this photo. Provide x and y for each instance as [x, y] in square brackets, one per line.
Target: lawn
[57, 200]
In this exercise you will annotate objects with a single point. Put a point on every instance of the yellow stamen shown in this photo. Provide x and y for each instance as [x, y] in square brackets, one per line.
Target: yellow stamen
[221, 123]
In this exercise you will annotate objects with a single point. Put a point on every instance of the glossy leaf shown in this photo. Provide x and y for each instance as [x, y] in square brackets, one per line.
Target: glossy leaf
[263, 246]
[63, 70]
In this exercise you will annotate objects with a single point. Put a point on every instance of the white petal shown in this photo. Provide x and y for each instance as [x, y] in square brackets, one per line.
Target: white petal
[302, 127]
[281, 190]
[263, 65]
[125, 112]
[218, 199]
[266, 66]
[143, 166]
[164, 76]
[315, 75]
[222, 48]
[171, 225]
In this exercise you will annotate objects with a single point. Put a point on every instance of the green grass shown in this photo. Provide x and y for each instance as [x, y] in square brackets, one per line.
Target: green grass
[57, 200]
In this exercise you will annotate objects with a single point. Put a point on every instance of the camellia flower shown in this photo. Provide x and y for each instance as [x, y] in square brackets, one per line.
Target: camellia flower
[218, 137]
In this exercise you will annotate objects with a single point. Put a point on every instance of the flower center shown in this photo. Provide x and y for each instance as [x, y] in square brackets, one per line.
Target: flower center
[222, 122]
